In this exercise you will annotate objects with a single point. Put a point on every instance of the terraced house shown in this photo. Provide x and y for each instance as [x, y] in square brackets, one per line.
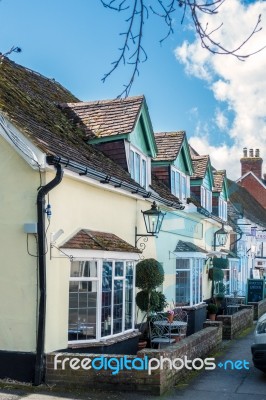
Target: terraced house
[77, 177]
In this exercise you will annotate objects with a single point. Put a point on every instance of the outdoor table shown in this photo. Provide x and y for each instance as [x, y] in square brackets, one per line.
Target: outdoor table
[171, 325]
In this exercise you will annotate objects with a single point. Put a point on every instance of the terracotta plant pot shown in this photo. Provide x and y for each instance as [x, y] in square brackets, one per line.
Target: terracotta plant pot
[212, 317]
[170, 317]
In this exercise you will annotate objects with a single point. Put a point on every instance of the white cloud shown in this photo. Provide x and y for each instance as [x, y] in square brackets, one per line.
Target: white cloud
[221, 120]
[222, 157]
[242, 85]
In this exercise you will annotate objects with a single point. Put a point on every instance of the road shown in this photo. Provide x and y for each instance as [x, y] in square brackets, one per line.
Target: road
[219, 384]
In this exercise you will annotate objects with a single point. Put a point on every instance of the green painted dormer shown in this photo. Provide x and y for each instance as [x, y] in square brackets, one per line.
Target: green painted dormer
[202, 181]
[173, 163]
[122, 130]
[220, 195]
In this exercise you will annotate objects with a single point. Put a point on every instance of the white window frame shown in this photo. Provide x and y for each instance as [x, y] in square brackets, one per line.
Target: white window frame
[206, 198]
[180, 184]
[144, 176]
[98, 281]
[235, 275]
[195, 274]
[222, 209]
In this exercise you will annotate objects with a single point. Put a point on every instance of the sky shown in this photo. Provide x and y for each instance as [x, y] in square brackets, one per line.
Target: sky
[218, 100]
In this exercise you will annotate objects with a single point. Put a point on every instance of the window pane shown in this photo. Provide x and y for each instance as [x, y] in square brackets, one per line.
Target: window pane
[173, 183]
[184, 187]
[82, 310]
[118, 306]
[106, 324]
[225, 211]
[119, 268]
[144, 174]
[183, 281]
[177, 184]
[83, 269]
[188, 186]
[203, 197]
[129, 296]
[137, 167]
[132, 166]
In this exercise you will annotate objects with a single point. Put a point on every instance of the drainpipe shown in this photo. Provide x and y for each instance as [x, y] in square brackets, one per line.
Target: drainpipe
[44, 190]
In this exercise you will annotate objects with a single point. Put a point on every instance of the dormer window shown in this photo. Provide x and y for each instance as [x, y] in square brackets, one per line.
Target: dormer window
[206, 198]
[180, 184]
[139, 167]
[222, 210]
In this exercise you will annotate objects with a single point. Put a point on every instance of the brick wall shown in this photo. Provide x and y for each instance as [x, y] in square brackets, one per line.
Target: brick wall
[158, 382]
[253, 164]
[234, 324]
[259, 309]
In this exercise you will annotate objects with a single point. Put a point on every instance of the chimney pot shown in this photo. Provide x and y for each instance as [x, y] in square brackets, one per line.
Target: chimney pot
[257, 152]
[251, 153]
[245, 152]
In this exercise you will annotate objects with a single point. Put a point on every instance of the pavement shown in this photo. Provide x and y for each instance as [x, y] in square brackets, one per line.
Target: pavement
[229, 381]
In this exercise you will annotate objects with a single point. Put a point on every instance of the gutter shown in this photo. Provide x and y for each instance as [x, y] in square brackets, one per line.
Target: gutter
[111, 180]
[44, 190]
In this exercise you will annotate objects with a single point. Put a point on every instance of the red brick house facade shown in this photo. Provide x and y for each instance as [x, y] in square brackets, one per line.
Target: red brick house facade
[251, 175]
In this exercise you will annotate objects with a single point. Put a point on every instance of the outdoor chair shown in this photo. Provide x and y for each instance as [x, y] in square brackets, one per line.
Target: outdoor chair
[160, 333]
[232, 304]
[179, 332]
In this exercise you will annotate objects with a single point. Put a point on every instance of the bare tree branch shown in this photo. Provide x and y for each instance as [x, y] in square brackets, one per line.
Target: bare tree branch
[132, 52]
[14, 49]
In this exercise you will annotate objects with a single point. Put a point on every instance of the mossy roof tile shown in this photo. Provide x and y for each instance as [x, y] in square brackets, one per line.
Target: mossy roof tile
[168, 145]
[94, 240]
[105, 117]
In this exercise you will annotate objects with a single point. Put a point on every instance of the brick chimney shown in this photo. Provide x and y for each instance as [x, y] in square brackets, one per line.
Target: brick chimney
[251, 162]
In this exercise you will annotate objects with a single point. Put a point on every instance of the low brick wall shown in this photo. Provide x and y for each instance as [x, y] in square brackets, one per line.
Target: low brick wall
[234, 324]
[198, 345]
[259, 309]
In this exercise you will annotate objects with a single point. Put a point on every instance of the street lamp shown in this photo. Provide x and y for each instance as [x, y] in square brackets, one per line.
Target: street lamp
[220, 237]
[153, 219]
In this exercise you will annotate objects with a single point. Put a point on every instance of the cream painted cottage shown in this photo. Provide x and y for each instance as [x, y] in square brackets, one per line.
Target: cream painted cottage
[69, 219]
[77, 177]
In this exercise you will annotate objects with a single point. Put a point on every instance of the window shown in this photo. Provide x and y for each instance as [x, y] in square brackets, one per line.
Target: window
[222, 209]
[180, 184]
[206, 198]
[189, 280]
[101, 295]
[139, 167]
[235, 275]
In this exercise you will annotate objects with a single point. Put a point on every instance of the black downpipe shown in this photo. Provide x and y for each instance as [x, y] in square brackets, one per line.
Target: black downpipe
[44, 190]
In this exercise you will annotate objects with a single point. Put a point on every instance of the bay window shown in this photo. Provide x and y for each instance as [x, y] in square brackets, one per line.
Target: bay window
[101, 299]
[189, 280]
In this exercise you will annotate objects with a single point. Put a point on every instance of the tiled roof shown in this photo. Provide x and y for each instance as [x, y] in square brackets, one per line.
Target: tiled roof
[93, 240]
[246, 204]
[168, 144]
[105, 117]
[218, 177]
[200, 166]
[30, 101]
[163, 190]
[188, 247]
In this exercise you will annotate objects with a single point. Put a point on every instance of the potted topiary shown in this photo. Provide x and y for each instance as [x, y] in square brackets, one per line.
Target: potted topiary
[212, 311]
[149, 275]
